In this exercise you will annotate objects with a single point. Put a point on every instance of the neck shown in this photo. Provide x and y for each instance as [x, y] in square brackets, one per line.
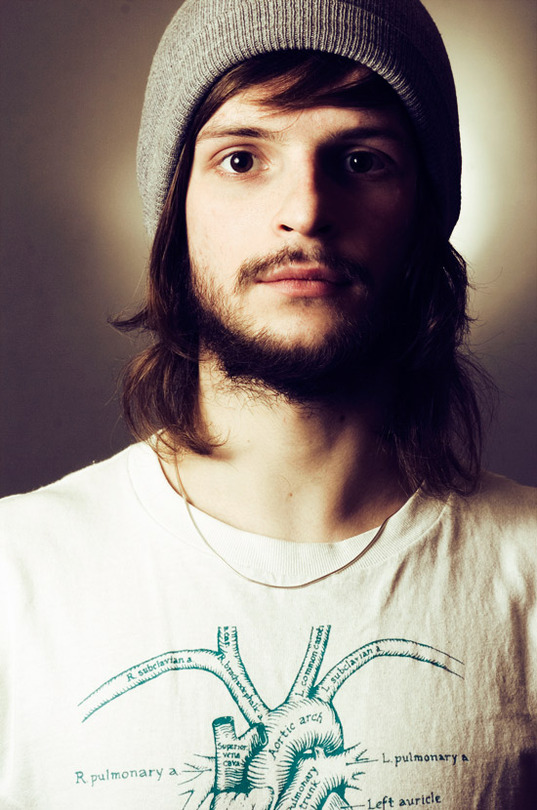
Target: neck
[302, 472]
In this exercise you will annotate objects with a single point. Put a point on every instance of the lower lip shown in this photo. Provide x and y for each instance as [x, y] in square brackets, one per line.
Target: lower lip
[304, 288]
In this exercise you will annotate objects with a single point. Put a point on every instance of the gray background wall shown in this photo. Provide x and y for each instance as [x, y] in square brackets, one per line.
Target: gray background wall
[73, 250]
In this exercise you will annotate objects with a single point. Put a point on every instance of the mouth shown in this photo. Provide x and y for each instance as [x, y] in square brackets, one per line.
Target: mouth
[301, 280]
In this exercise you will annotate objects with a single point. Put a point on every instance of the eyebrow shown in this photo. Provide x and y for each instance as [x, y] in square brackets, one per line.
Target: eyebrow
[258, 133]
[223, 131]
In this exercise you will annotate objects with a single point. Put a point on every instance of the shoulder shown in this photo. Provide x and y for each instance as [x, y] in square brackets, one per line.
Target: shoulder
[68, 534]
[80, 494]
[499, 520]
[502, 501]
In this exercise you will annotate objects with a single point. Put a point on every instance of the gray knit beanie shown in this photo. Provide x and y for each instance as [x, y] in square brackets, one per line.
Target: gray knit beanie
[395, 38]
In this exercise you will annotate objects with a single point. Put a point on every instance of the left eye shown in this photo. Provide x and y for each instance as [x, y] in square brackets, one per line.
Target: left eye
[238, 162]
[363, 162]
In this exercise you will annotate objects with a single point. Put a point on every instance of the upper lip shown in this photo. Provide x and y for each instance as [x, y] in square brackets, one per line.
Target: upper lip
[302, 272]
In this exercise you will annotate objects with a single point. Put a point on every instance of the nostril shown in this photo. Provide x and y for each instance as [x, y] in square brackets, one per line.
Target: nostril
[313, 230]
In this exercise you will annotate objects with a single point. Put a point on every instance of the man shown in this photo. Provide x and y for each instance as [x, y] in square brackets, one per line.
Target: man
[299, 590]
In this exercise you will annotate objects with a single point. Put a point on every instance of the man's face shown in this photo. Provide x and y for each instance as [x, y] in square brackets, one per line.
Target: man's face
[298, 221]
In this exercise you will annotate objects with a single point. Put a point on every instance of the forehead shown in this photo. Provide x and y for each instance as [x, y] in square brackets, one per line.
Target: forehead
[257, 110]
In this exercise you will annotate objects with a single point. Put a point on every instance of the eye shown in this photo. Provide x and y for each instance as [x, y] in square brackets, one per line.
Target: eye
[363, 163]
[238, 162]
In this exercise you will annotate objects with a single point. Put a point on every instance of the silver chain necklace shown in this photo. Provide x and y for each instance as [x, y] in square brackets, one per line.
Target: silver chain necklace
[181, 491]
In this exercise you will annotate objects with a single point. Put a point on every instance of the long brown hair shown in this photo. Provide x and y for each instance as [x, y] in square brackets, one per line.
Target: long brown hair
[434, 426]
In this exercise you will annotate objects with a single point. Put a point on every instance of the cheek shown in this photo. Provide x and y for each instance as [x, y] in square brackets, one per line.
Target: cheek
[198, 213]
[205, 232]
[222, 233]
[392, 218]
[216, 242]
[383, 229]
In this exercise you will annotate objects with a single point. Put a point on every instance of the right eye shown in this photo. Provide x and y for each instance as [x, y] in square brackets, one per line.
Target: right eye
[238, 162]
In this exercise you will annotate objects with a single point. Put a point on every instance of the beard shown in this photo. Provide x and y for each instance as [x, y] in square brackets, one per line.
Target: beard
[345, 362]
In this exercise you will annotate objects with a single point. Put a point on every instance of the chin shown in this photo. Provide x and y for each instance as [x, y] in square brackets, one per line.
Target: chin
[302, 356]
[311, 341]
[302, 369]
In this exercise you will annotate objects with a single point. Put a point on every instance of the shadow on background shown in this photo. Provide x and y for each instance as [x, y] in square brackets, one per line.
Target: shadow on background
[73, 250]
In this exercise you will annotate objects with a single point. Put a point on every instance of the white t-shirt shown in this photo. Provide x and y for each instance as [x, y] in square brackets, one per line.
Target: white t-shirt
[140, 671]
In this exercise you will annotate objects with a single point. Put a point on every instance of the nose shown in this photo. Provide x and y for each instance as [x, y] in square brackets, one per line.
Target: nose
[305, 204]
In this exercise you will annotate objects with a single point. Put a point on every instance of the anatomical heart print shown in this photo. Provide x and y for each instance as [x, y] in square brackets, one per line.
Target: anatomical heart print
[293, 755]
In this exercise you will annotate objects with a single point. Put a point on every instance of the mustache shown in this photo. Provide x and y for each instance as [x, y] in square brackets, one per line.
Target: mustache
[346, 269]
